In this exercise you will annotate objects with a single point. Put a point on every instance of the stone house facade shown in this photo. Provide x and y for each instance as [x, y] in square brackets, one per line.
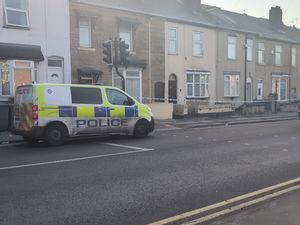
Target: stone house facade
[92, 24]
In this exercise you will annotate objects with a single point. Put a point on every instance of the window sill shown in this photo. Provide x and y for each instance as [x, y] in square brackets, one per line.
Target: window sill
[234, 96]
[15, 27]
[231, 59]
[86, 49]
[197, 98]
[132, 52]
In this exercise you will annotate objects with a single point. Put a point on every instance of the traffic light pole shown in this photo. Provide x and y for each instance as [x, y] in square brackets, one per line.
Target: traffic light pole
[116, 62]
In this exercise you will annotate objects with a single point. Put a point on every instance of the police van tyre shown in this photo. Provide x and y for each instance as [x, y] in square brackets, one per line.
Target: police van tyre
[55, 134]
[141, 129]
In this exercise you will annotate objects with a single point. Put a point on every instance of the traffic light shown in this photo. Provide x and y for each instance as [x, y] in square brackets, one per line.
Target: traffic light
[107, 52]
[123, 52]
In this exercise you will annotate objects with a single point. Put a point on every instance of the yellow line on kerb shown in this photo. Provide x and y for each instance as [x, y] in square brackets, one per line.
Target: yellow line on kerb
[227, 202]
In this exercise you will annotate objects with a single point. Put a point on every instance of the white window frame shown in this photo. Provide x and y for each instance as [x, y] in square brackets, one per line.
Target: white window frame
[234, 79]
[231, 42]
[202, 76]
[16, 10]
[260, 85]
[31, 68]
[89, 27]
[124, 71]
[250, 44]
[294, 57]
[278, 91]
[278, 55]
[123, 29]
[196, 43]
[261, 53]
[173, 40]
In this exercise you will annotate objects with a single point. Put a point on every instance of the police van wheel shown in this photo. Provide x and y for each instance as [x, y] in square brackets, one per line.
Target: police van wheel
[55, 134]
[141, 129]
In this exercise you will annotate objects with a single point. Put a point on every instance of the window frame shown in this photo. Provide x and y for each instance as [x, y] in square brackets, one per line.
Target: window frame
[26, 11]
[200, 43]
[237, 87]
[294, 57]
[250, 48]
[234, 44]
[89, 27]
[261, 49]
[123, 28]
[175, 40]
[278, 53]
[260, 85]
[194, 83]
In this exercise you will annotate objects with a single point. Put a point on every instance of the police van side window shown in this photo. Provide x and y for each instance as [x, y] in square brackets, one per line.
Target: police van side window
[116, 97]
[82, 95]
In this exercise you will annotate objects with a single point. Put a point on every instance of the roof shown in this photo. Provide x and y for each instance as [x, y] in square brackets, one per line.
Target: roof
[206, 15]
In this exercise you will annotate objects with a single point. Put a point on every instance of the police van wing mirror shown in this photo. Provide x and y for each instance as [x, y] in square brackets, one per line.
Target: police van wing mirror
[130, 102]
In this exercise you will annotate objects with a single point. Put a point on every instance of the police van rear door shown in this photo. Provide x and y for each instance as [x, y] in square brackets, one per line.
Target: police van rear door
[122, 111]
[91, 116]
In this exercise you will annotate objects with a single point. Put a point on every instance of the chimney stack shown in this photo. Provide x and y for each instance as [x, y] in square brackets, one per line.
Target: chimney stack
[275, 16]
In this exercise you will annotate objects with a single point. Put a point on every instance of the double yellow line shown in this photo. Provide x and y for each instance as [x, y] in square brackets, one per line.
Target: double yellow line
[214, 211]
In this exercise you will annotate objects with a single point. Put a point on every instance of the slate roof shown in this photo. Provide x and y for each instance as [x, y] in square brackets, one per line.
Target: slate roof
[207, 16]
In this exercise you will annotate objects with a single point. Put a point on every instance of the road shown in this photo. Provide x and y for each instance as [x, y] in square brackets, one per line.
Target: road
[121, 180]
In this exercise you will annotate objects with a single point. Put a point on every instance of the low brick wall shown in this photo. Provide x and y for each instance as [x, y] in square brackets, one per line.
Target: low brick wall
[162, 111]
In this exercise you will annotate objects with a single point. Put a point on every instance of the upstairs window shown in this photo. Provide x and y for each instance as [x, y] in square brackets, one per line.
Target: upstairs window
[249, 50]
[125, 32]
[261, 53]
[231, 47]
[85, 32]
[16, 13]
[197, 43]
[294, 57]
[278, 53]
[173, 41]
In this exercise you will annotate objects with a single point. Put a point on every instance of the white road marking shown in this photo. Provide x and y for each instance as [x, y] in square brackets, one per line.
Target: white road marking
[127, 146]
[139, 150]
[168, 129]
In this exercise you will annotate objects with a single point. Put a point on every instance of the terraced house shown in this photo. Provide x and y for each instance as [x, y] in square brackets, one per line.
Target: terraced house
[34, 46]
[192, 55]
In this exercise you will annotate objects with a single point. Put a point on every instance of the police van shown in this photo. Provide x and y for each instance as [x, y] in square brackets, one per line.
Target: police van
[55, 112]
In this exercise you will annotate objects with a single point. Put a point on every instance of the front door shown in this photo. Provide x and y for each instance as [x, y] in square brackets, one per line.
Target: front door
[173, 89]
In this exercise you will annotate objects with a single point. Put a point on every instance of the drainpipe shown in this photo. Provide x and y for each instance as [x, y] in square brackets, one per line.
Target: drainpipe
[150, 61]
[245, 82]
[290, 73]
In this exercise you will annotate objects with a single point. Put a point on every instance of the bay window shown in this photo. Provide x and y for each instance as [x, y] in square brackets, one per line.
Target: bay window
[197, 84]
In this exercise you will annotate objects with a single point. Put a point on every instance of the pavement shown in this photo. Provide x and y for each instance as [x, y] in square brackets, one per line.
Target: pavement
[281, 211]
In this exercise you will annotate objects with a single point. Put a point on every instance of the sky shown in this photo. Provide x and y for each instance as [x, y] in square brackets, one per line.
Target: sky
[260, 8]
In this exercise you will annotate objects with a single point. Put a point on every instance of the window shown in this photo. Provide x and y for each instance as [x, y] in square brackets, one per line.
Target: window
[294, 57]
[125, 32]
[133, 83]
[197, 44]
[249, 49]
[23, 73]
[279, 87]
[173, 41]
[197, 85]
[231, 47]
[5, 77]
[16, 13]
[86, 95]
[231, 85]
[278, 52]
[116, 97]
[261, 53]
[260, 88]
[85, 32]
